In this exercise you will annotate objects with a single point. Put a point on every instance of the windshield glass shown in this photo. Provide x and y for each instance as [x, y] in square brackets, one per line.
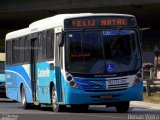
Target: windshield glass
[102, 51]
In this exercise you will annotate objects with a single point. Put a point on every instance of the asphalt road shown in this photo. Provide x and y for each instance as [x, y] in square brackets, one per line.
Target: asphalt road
[10, 110]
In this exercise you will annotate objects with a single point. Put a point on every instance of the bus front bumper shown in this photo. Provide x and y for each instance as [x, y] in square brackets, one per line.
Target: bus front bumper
[76, 96]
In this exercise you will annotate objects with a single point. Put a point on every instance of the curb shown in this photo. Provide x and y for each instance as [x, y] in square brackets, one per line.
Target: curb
[146, 105]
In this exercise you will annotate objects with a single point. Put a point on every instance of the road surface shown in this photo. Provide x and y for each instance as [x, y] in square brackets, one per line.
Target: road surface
[10, 110]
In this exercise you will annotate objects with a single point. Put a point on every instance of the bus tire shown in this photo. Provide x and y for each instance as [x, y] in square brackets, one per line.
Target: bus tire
[79, 108]
[122, 107]
[25, 105]
[55, 106]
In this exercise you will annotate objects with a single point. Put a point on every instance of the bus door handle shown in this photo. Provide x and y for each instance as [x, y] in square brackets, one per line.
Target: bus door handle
[51, 66]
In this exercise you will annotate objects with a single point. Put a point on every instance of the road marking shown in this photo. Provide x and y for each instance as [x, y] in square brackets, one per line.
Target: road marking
[100, 116]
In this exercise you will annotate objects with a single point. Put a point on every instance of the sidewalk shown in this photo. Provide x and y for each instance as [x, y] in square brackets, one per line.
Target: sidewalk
[146, 105]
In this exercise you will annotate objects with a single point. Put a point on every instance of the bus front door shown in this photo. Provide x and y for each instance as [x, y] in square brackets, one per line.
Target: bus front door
[59, 65]
[33, 68]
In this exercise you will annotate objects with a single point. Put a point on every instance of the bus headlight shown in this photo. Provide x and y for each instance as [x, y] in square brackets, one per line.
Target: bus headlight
[138, 77]
[70, 80]
[72, 83]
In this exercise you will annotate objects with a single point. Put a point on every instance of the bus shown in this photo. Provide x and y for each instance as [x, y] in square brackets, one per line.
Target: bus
[76, 60]
[2, 75]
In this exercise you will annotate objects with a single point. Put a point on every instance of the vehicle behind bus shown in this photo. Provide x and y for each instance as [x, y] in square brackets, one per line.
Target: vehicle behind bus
[76, 60]
[2, 75]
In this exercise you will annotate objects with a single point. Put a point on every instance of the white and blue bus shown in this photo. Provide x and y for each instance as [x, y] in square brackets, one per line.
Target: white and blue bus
[77, 60]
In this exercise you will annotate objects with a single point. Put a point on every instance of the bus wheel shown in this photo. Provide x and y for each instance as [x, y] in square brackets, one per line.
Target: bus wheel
[79, 108]
[122, 107]
[56, 107]
[25, 105]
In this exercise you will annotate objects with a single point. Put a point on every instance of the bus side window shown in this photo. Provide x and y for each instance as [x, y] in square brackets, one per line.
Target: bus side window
[39, 47]
[13, 51]
[44, 45]
[21, 50]
[27, 47]
[17, 52]
[50, 44]
[9, 52]
[36, 48]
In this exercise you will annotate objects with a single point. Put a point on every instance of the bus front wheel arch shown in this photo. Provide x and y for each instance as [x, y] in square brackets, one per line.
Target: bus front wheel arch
[25, 105]
[54, 101]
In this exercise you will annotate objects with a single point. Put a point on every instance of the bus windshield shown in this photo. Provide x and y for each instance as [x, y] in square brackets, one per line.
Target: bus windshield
[102, 51]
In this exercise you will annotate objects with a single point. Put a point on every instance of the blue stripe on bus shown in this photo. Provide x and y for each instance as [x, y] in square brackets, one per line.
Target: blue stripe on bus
[20, 70]
[15, 76]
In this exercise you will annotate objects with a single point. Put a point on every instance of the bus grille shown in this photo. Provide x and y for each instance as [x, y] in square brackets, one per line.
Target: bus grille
[118, 86]
[93, 87]
[100, 86]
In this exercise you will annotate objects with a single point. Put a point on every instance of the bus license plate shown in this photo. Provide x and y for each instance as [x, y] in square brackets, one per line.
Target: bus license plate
[106, 96]
[114, 82]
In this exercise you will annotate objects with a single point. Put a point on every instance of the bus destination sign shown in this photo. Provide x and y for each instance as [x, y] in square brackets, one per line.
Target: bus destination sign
[100, 22]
